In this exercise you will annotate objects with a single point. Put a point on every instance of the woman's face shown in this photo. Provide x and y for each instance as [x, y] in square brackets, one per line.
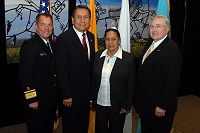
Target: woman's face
[112, 41]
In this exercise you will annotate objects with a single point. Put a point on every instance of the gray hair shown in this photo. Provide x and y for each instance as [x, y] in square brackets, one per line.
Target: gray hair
[165, 20]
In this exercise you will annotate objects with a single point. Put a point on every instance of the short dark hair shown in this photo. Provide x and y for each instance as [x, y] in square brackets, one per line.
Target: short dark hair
[112, 29]
[43, 14]
[81, 7]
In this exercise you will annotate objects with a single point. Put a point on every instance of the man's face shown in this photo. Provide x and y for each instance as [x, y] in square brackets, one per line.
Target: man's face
[158, 29]
[44, 27]
[81, 20]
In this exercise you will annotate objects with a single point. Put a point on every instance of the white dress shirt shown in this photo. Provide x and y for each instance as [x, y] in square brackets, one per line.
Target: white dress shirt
[103, 97]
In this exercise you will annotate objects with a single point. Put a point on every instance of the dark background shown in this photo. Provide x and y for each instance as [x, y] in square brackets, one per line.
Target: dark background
[184, 31]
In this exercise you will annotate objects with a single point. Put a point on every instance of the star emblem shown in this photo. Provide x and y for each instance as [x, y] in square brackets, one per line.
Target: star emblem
[43, 4]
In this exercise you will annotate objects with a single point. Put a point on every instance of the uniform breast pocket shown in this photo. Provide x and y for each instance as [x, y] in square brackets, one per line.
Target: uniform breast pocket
[43, 54]
[44, 61]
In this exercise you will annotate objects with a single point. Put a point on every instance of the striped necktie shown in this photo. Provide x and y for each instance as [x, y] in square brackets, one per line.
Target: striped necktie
[84, 44]
[49, 46]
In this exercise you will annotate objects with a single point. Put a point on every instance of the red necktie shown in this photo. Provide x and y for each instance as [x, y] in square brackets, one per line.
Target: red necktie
[84, 44]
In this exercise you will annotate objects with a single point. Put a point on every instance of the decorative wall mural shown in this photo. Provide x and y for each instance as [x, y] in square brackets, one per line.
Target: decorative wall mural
[20, 19]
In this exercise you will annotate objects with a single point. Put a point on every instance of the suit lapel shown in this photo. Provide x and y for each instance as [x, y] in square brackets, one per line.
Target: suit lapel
[77, 42]
[117, 64]
[144, 51]
[99, 66]
[91, 43]
[43, 47]
[156, 51]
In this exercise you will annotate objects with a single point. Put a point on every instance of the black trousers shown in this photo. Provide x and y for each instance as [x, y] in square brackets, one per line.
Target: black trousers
[40, 120]
[107, 121]
[154, 124]
[75, 119]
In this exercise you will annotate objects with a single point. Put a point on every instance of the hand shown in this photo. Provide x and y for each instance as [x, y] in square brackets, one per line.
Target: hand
[123, 111]
[34, 105]
[159, 112]
[67, 102]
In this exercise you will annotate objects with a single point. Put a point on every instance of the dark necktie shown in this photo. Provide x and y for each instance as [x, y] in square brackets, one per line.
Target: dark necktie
[84, 44]
[49, 47]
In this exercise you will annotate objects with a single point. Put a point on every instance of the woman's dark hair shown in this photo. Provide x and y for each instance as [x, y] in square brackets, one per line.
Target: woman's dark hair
[112, 29]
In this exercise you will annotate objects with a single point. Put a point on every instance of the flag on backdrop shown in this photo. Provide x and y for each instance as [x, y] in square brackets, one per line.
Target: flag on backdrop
[93, 26]
[124, 30]
[164, 9]
[45, 7]
[93, 29]
[124, 26]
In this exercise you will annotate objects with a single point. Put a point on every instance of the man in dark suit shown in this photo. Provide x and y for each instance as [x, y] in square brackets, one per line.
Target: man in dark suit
[36, 70]
[75, 57]
[158, 79]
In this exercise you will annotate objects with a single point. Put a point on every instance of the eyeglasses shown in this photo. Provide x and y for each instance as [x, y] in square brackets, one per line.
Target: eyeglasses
[157, 27]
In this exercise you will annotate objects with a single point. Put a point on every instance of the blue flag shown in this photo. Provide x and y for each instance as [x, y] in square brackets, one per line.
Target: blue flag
[44, 6]
[139, 126]
[163, 8]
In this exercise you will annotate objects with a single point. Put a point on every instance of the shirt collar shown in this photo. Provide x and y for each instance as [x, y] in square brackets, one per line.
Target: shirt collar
[45, 41]
[158, 42]
[118, 54]
[78, 32]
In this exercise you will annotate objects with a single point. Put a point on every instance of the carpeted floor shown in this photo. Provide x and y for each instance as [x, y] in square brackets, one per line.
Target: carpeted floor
[187, 118]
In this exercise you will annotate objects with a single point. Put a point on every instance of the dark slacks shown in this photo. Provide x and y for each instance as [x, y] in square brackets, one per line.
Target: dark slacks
[154, 124]
[40, 120]
[75, 119]
[107, 121]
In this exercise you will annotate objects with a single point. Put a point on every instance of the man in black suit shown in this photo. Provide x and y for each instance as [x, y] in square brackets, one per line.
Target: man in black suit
[75, 57]
[158, 79]
[36, 70]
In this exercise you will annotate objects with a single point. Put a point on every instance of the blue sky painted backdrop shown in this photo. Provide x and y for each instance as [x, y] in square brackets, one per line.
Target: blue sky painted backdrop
[20, 20]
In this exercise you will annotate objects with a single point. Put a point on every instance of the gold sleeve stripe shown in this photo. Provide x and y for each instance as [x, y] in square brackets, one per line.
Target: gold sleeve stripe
[29, 91]
[30, 94]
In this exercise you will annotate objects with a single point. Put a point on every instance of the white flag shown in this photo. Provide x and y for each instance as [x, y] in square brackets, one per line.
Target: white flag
[124, 26]
[124, 30]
